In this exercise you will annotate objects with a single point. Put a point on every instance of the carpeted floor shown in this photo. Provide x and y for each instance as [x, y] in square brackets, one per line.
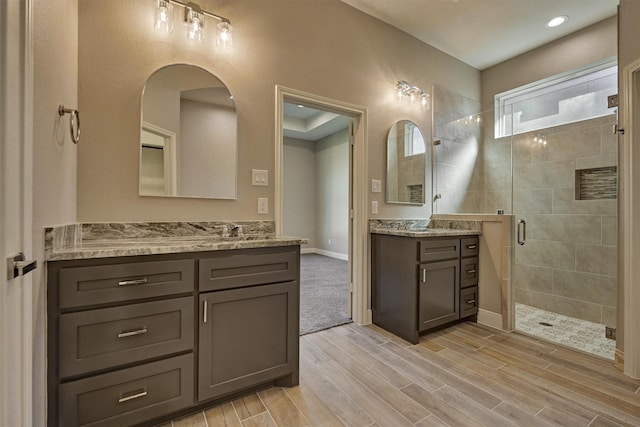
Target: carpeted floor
[324, 293]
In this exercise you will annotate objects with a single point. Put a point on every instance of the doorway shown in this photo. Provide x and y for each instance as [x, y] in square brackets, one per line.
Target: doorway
[339, 178]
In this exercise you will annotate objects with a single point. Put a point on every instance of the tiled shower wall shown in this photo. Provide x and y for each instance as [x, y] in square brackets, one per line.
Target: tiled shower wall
[568, 264]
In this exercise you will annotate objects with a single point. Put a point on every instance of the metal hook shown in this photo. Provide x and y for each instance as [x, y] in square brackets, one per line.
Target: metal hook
[75, 117]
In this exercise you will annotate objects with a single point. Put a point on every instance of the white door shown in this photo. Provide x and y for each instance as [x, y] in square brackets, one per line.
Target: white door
[15, 211]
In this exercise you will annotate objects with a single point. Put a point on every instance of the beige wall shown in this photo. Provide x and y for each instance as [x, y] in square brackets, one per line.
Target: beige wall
[54, 155]
[322, 47]
[584, 47]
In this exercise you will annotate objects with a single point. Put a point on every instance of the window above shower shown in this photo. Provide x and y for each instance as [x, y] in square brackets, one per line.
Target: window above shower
[566, 98]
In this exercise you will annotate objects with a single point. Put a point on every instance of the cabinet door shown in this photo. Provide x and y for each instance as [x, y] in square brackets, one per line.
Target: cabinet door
[439, 293]
[247, 336]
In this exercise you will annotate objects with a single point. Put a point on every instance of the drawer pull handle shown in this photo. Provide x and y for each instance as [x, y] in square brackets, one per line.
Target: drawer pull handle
[132, 333]
[132, 282]
[471, 301]
[471, 246]
[136, 395]
[424, 275]
[204, 317]
[472, 271]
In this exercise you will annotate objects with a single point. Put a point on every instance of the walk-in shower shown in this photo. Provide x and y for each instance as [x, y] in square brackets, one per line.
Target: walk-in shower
[550, 160]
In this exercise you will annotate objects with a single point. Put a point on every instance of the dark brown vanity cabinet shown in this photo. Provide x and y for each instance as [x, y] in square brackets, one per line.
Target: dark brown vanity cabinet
[422, 283]
[249, 327]
[136, 339]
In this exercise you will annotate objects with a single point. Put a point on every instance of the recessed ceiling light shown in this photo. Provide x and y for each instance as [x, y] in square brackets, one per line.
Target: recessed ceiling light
[558, 20]
[300, 106]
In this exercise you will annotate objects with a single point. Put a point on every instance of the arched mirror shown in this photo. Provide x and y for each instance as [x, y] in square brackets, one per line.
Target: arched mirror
[188, 135]
[406, 157]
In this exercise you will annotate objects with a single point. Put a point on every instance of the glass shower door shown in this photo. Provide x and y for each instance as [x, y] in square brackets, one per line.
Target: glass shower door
[564, 204]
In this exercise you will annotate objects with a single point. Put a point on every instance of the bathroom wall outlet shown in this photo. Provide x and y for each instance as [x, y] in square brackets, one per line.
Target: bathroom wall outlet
[260, 177]
[374, 207]
[263, 206]
[376, 186]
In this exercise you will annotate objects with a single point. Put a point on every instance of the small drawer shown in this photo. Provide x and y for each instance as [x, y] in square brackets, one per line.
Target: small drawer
[468, 272]
[438, 249]
[100, 284]
[128, 396]
[99, 339]
[468, 301]
[470, 246]
[237, 269]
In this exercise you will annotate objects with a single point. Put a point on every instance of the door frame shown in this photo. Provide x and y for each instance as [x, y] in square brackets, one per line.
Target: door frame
[16, 183]
[360, 311]
[630, 235]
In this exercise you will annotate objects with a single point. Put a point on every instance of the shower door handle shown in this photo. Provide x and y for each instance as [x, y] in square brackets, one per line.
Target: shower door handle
[522, 232]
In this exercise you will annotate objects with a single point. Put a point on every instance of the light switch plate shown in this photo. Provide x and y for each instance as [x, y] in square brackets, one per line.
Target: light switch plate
[263, 206]
[376, 186]
[374, 207]
[260, 177]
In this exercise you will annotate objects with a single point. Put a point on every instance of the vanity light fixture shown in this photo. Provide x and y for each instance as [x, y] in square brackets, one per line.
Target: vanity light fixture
[413, 93]
[194, 18]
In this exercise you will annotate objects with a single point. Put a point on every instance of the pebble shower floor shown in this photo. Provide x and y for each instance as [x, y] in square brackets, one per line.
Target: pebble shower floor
[575, 333]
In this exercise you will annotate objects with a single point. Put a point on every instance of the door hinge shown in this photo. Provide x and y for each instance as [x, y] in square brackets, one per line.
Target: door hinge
[612, 101]
[17, 265]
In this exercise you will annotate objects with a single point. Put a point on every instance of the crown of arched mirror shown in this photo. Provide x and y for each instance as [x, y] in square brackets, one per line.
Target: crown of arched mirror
[406, 159]
[188, 133]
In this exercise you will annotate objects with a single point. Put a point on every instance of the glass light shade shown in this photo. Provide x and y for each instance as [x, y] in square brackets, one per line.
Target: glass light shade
[424, 101]
[164, 16]
[224, 39]
[195, 26]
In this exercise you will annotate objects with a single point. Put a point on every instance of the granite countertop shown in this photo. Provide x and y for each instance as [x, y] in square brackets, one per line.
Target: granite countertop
[427, 232]
[88, 241]
[425, 228]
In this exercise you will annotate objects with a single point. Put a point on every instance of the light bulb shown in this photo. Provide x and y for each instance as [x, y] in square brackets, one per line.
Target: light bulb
[164, 16]
[224, 40]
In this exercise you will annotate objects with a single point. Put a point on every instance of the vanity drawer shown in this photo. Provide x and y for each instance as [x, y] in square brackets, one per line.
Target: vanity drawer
[248, 268]
[101, 284]
[100, 339]
[468, 301]
[468, 272]
[128, 396]
[438, 249]
[470, 246]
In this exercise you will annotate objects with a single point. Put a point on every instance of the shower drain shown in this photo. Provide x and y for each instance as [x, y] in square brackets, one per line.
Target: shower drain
[544, 324]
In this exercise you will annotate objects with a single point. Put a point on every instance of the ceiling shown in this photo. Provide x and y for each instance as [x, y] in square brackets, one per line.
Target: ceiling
[309, 124]
[483, 33]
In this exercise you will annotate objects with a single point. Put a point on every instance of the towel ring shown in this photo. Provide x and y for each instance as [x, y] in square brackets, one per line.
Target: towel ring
[75, 117]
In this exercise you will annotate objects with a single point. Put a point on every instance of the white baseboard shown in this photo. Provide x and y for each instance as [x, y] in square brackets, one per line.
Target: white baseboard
[336, 255]
[490, 318]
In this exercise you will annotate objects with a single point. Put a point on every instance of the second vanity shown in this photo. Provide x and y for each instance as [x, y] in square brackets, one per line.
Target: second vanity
[423, 277]
[145, 328]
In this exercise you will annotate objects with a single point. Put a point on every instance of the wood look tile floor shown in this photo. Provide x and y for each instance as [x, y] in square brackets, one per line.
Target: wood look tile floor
[465, 375]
